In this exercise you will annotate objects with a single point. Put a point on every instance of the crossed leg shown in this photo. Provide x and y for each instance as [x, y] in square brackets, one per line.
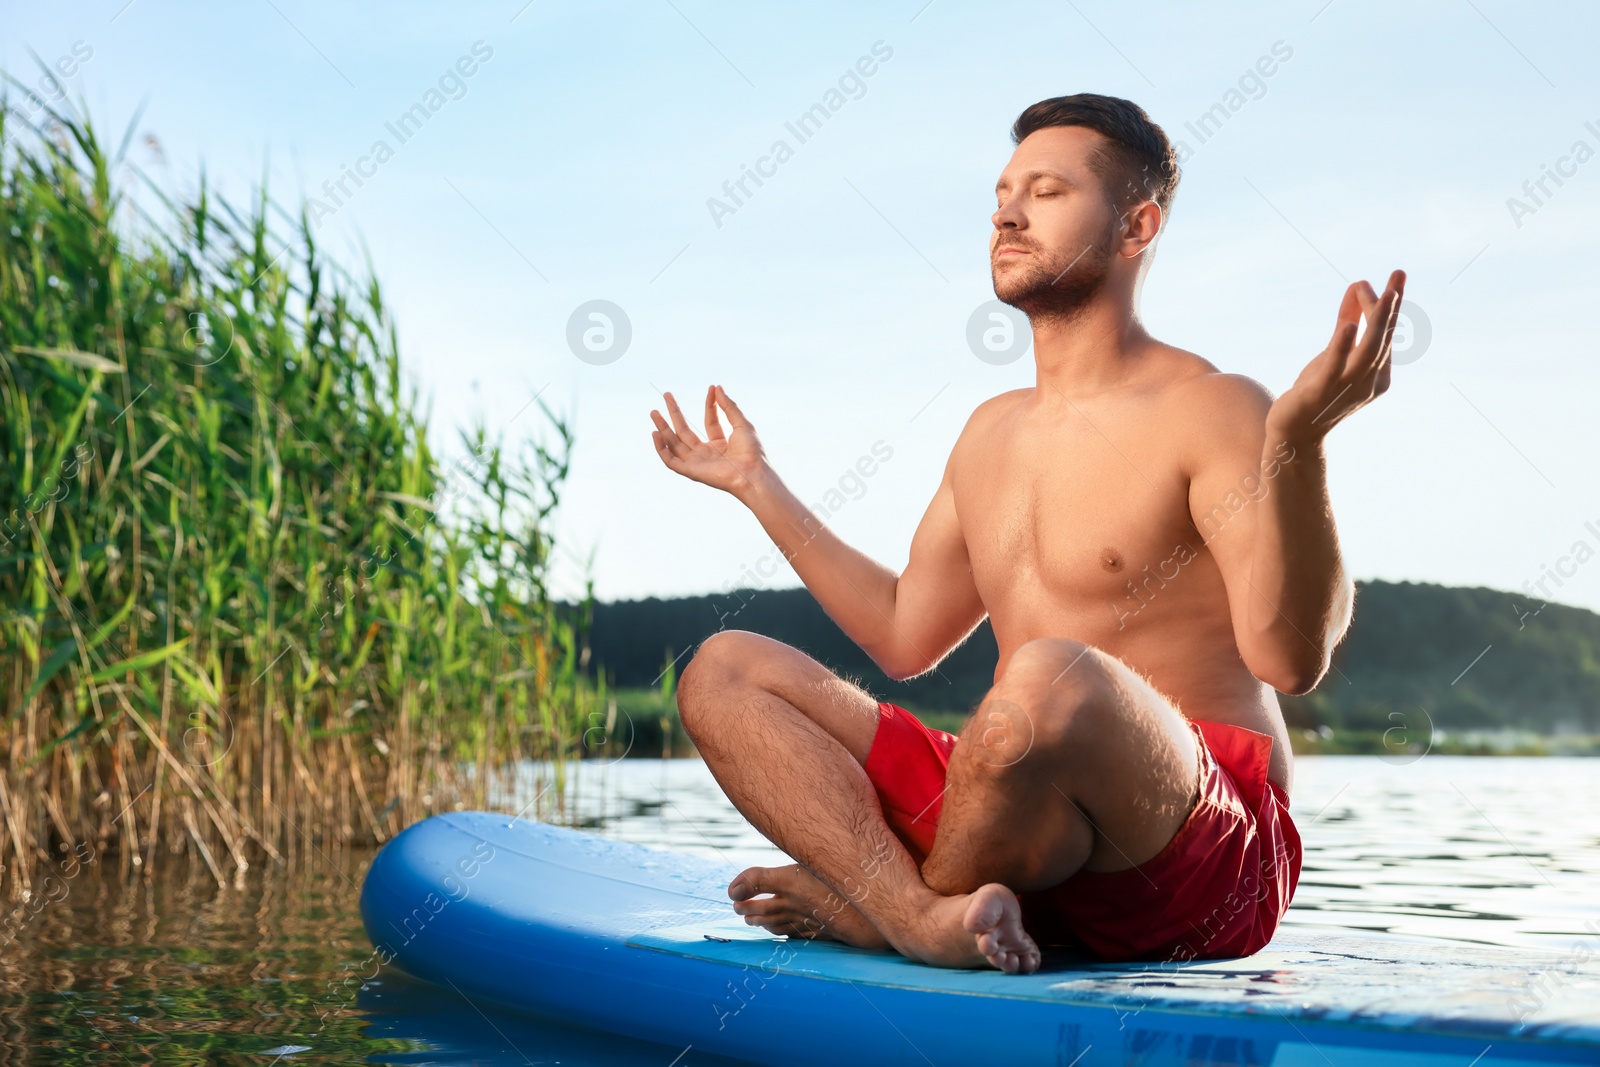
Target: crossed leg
[1072, 761]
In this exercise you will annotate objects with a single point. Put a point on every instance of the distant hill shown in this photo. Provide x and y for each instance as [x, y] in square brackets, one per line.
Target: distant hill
[1407, 648]
[1410, 643]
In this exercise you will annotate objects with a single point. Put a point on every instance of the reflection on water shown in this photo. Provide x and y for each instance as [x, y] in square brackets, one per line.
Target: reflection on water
[99, 970]
[174, 970]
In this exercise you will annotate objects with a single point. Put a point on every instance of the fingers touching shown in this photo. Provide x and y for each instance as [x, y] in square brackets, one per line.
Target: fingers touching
[735, 417]
[1365, 367]
[1385, 361]
[1381, 315]
[1356, 365]
[680, 432]
[713, 423]
[1361, 302]
[682, 450]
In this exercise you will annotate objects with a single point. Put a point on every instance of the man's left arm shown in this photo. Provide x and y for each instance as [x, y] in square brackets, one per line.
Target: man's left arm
[1287, 588]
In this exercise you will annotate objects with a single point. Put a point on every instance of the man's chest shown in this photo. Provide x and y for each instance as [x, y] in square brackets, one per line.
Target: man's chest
[1073, 510]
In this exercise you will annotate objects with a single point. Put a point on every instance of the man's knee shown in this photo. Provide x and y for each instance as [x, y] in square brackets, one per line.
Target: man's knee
[1052, 692]
[723, 662]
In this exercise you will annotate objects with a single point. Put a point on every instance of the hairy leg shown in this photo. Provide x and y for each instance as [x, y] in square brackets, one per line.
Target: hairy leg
[1072, 762]
[773, 726]
[786, 740]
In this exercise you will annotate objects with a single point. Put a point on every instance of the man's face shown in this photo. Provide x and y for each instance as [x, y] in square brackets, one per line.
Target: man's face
[1055, 229]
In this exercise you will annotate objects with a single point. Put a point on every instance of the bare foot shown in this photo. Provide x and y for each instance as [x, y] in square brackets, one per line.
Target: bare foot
[980, 929]
[994, 918]
[801, 905]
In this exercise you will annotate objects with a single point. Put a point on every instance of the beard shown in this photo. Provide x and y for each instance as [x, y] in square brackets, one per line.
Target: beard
[1055, 285]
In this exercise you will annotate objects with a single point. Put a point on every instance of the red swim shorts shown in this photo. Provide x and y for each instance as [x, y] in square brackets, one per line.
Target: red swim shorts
[1217, 890]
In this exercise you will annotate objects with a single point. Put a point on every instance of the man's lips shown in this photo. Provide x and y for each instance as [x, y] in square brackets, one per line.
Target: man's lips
[1010, 250]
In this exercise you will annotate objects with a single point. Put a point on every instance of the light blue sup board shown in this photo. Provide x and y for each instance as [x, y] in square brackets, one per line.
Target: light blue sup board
[640, 942]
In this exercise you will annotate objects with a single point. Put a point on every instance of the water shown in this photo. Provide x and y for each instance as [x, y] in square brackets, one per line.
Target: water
[101, 970]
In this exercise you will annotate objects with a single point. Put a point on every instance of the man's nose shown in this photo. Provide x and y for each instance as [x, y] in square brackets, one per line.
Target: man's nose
[1008, 217]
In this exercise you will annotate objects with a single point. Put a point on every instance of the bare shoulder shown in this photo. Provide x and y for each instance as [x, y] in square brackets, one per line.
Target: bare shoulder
[1214, 413]
[996, 407]
[1214, 395]
[1209, 399]
[986, 415]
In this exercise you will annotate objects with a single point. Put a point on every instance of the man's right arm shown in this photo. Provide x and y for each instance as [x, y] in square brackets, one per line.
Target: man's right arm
[907, 622]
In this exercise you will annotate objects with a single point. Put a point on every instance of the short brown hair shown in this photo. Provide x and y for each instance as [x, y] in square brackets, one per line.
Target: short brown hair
[1140, 160]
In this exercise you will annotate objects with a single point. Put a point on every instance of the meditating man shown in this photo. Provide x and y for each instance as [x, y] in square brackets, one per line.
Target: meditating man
[1151, 540]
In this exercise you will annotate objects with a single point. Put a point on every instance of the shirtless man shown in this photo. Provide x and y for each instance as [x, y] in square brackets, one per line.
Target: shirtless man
[1152, 541]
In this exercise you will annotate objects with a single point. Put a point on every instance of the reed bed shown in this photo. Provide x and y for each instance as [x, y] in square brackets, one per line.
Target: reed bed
[245, 611]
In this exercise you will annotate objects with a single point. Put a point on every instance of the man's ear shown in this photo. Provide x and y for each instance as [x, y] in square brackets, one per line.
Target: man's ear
[1141, 226]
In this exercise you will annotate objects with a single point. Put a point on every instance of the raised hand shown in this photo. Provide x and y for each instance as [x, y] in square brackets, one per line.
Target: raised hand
[1345, 376]
[729, 462]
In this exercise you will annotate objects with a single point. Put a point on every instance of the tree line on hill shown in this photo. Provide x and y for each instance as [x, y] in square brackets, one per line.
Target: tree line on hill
[1468, 658]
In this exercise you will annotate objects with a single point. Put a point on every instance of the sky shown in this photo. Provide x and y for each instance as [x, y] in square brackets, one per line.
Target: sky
[575, 153]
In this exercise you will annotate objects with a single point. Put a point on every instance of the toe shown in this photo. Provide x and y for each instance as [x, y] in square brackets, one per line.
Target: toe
[763, 907]
[751, 882]
[786, 922]
[994, 920]
[983, 915]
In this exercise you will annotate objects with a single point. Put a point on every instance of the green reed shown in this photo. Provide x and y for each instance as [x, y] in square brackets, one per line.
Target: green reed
[245, 611]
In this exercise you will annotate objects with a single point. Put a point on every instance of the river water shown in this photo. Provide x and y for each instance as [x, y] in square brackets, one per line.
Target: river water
[175, 971]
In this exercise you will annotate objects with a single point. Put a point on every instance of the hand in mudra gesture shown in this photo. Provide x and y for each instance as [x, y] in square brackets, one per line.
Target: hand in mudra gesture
[1346, 375]
[728, 462]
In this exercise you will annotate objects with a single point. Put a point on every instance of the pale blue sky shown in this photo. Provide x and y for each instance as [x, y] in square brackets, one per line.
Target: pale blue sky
[577, 162]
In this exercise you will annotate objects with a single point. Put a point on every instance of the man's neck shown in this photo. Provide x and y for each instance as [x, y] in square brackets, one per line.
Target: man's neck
[1089, 353]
